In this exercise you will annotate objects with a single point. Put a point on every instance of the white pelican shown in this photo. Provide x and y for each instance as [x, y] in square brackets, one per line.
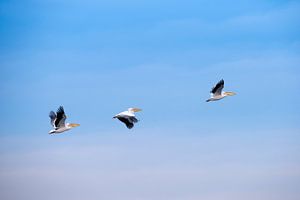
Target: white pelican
[58, 121]
[128, 117]
[216, 92]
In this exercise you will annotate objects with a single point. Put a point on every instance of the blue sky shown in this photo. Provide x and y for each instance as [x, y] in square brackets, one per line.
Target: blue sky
[97, 58]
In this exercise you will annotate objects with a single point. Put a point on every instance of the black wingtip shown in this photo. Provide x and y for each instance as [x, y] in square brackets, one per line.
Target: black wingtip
[61, 109]
[129, 126]
[52, 114]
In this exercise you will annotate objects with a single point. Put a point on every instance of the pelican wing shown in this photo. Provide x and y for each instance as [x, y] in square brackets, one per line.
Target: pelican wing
[129, 124]
[60, 117]
[217, 90]
[133, 119]
[52, 116]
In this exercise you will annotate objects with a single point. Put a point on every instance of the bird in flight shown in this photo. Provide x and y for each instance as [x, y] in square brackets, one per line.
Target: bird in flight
[58, 119]
[216, 92]
[128, 117]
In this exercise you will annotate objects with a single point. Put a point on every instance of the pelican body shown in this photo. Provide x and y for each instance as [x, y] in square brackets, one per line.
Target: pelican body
[58, 119]
[217, 93]
[128, 117]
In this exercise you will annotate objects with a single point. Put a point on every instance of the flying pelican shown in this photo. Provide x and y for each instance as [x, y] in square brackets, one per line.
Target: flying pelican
[58, 121]
[216, 92]
[128, 117]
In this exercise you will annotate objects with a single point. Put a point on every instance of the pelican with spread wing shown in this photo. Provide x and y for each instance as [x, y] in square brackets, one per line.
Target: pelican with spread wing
[58, 121]
[128, 117]
[216, 92]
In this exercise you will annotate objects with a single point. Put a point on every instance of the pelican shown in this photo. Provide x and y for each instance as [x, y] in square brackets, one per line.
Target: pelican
[128, 117]
[216, 92]
[58, 121]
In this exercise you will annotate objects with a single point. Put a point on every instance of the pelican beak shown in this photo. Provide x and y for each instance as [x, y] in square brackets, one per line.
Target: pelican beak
[137, 110]
[230, 93]
[74, 125]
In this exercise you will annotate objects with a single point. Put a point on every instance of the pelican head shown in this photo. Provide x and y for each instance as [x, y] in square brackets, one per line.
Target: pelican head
[229, 93]
[134, 110]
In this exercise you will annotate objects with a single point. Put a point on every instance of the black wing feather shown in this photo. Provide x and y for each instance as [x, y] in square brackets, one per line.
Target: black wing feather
[126, 122]
[52, 116]
[133, 119]
[219, 85]
[60, 116]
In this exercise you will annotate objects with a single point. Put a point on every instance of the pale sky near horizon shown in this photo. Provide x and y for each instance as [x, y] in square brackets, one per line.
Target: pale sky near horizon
[97, 58]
